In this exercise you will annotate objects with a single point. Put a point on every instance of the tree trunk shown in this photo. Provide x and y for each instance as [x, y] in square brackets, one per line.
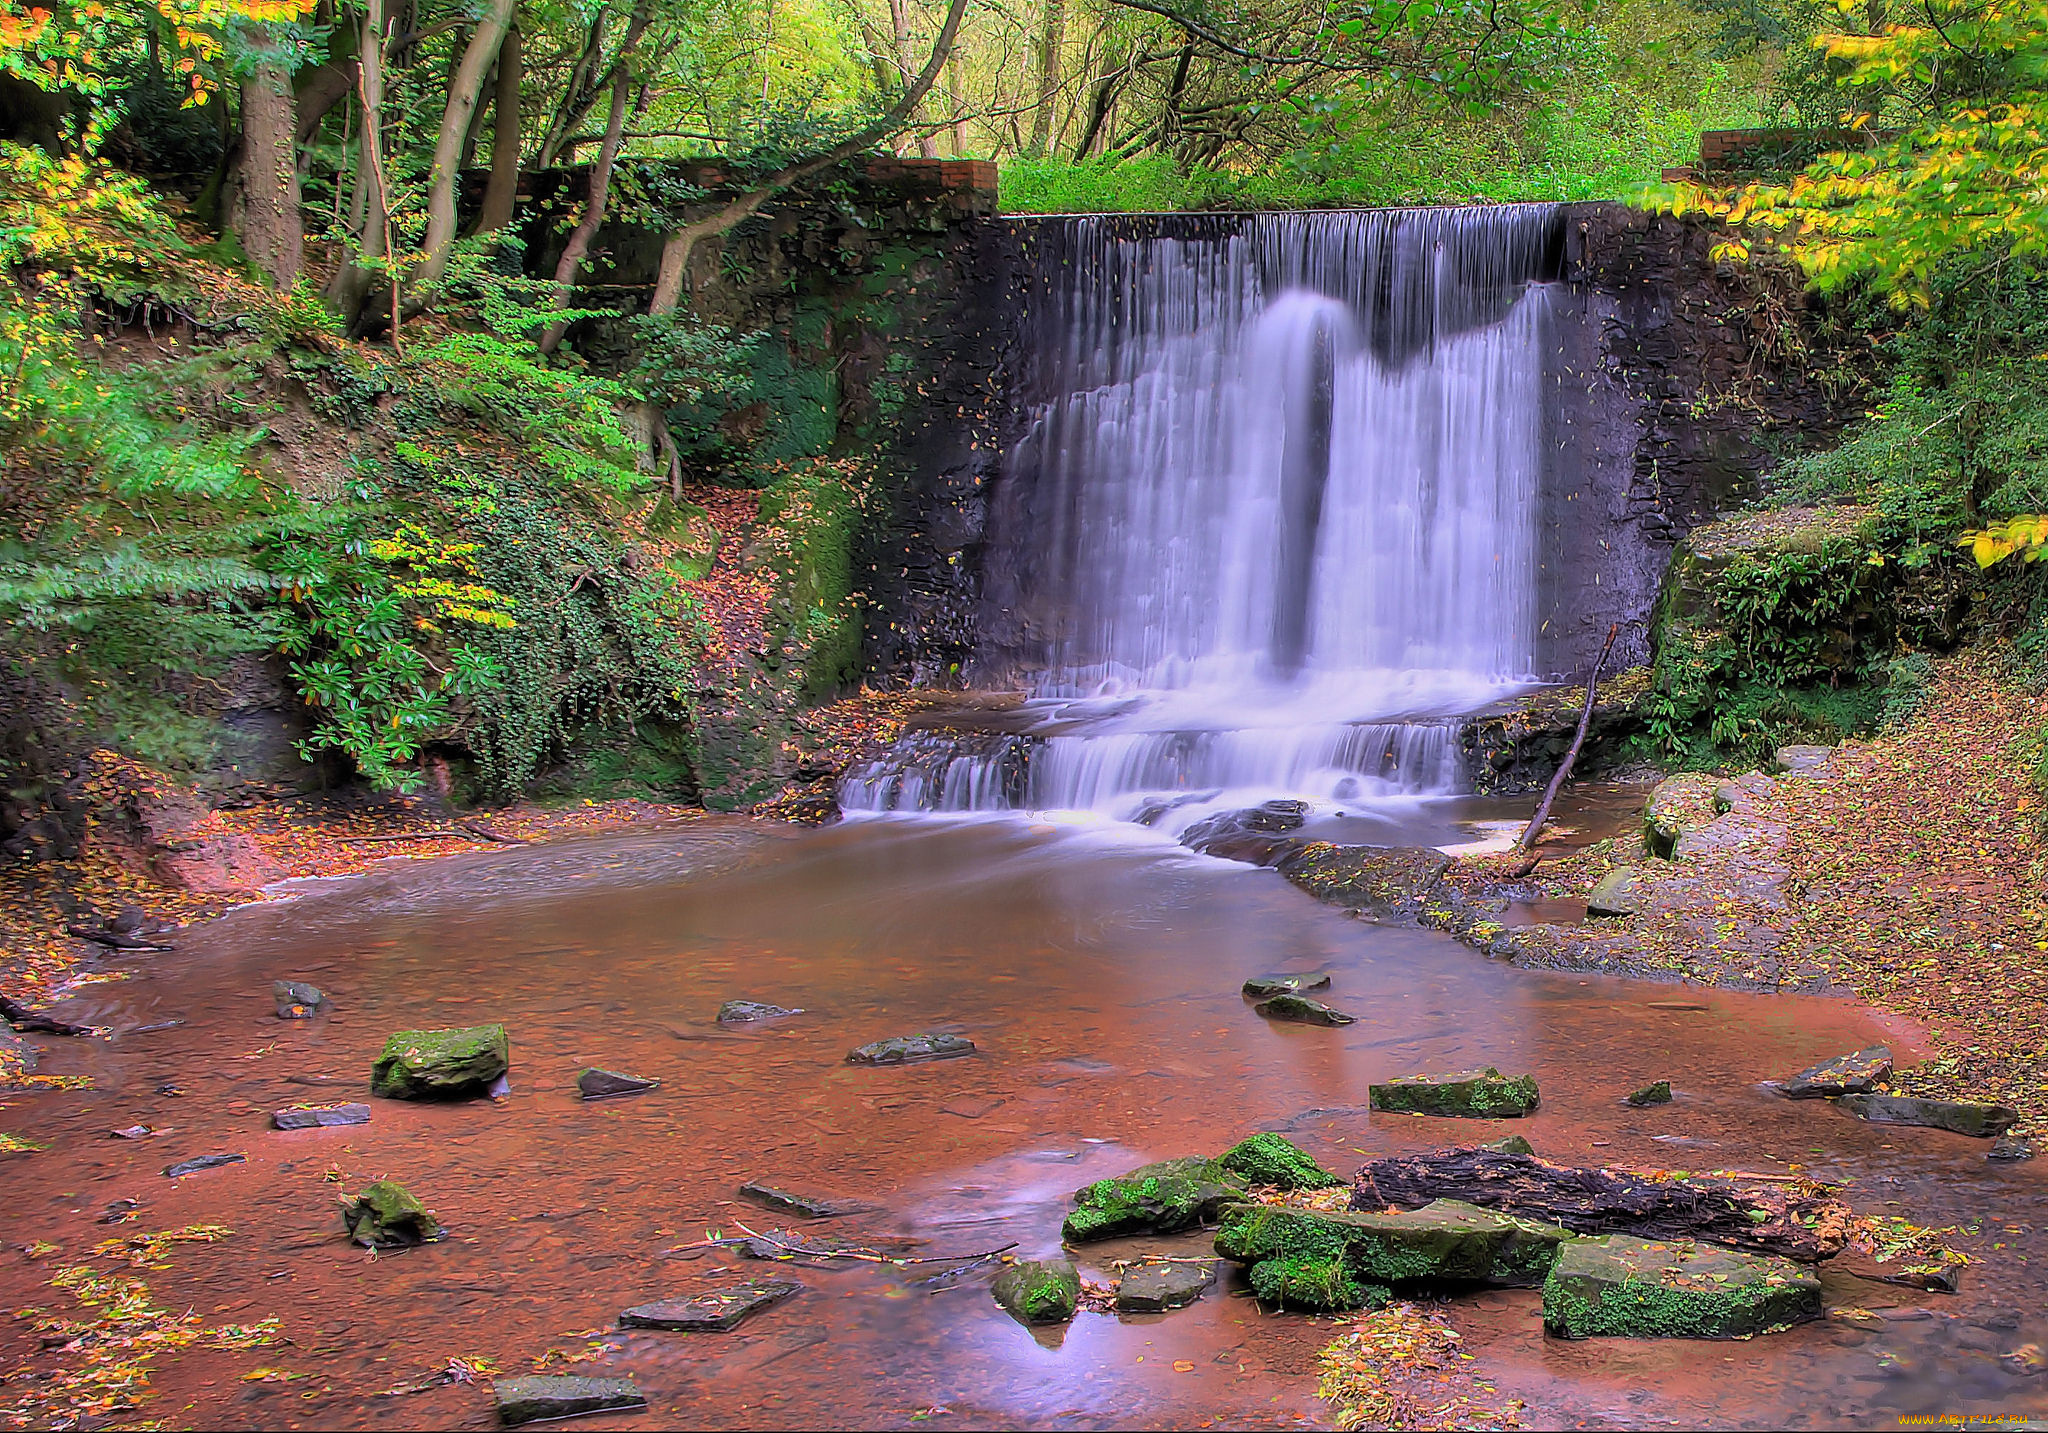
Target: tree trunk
[600, 180]
[956, 83]
[1051, 39]
[577, 96]
[503, 189]
[899, 21]
[463, 89]
[1794, 1218]
[352, 282]
[273, 234]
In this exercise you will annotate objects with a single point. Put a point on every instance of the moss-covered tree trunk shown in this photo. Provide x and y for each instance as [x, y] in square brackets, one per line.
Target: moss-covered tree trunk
[273, 234]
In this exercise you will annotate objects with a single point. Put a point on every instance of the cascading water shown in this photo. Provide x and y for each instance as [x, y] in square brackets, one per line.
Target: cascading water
[1281, 513]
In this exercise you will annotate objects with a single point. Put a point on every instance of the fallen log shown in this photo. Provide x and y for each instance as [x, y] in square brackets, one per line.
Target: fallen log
[116, 939]
[1801, 1220]
[29, 1022]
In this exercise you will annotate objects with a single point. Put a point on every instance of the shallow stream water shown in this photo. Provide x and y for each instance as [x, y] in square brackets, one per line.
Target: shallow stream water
[1098, 977]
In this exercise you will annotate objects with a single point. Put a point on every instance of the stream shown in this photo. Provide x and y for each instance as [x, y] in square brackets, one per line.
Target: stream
[1098, 974]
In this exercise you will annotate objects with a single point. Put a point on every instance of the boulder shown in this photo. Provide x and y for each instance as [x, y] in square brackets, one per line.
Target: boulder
[595, 1084]
[1655, 1093]
[1962, 1116]
[387, 1216]
[1300, 1010]
[1158, 1198]
[1803, 760]
[1265, 985]
[1615, 894]
[1475, 1094]
[1311, 1259]
[532, 1398]
[745, 1012]
[1677, 804]
[911, 1050]
[1039, 1291]
[441, 1064]
[1743, 793]
[1257, 835]
[1267, 1159]
[1852, 1074]
[1155, 1288]
[295, 999]
[320, 1116]
[810, 1206]
[712, 1311]
[1618, 1286]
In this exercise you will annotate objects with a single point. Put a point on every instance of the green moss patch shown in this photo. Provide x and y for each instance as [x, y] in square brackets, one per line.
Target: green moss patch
[1039, 1291]
[441, 1064]
[1270, 1160]
[1623, 1287]
[1475, 1094]
[1155, 1199]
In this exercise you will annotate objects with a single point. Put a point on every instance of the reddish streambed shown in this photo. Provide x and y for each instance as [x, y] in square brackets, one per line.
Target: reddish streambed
[1100, 983]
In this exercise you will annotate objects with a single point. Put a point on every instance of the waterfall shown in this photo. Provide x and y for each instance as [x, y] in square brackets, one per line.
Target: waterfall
[1279, 507]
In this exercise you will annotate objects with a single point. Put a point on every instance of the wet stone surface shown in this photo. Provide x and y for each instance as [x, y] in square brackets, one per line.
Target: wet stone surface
[911, 1050]
[747, 1012]
[1656, 1093]
[1960, 1116]
[441, 1064]
[1851, 1074]
[1161, 1198]
[534, 1398]
[204, 1161]
[387, 1215]
[1039, 1291]
[1473, 1094]
[711, 1311]
[1623, 1287]
[1300, 1010]
[1292, 984]
[596, 1084]
[296, 1000]
[321, 1117]
[1155, 1288]
[810, 1206]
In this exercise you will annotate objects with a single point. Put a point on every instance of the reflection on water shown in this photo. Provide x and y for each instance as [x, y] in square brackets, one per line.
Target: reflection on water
[1100, 982]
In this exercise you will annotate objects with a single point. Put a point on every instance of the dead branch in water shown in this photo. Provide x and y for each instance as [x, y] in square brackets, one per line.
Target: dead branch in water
[24, 1019]
[1571, 755]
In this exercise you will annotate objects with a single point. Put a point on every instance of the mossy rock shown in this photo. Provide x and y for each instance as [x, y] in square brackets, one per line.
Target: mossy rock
[1039, 1291]
[1158, 1198]
[1678, 804]
[1301, 1010]
[1623, 1287]
[441, 1064]
[1658, 1092]
[1615, 894]
[1474, 1094]
[1270, 1160]
[386, 1215]
[1513, 1144]
[1319, 1260]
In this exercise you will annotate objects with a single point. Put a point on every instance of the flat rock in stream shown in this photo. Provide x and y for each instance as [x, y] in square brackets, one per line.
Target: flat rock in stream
[810, 1206]
[1321, 1261]
[1291, 984]
[911, 1050]
[713, 1310]
[1155, 1288]
[532, 1398]
[441, 1064]
[1473, 1094]
[594, 1084]
[1161, 1198]
[746, 1012]
[1386, 882]
[1851, 1074]
[1619, 1286]
[204, 1161]
[1039, 1291]
[296, 1000]
[1961, 1116]
[321, 1117]
[1300, 1010]
[815, 1251]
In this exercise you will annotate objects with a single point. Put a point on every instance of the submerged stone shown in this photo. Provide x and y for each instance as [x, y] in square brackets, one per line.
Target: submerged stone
[204, 1161]
[713, 1310]
[1160, 1198]
[1852, 1074]
[597, 1084]
[530, 1398]
[1155, 1288]
[1513, 1144]
[321, 1117]
[745, 1012]
[1317, 1260]
[1292, 984]
[1301, 1010]
[1039, 1291]
[1961, 1116]
[1656, 1093]
[1270, 1160]
[911, 1050]
[1614, 894]
[810, 1206]
[295, 999]
[441, 1064]
[2010, 1147]
[386, 1215]
[1618, 1286]
[1474, 1094]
